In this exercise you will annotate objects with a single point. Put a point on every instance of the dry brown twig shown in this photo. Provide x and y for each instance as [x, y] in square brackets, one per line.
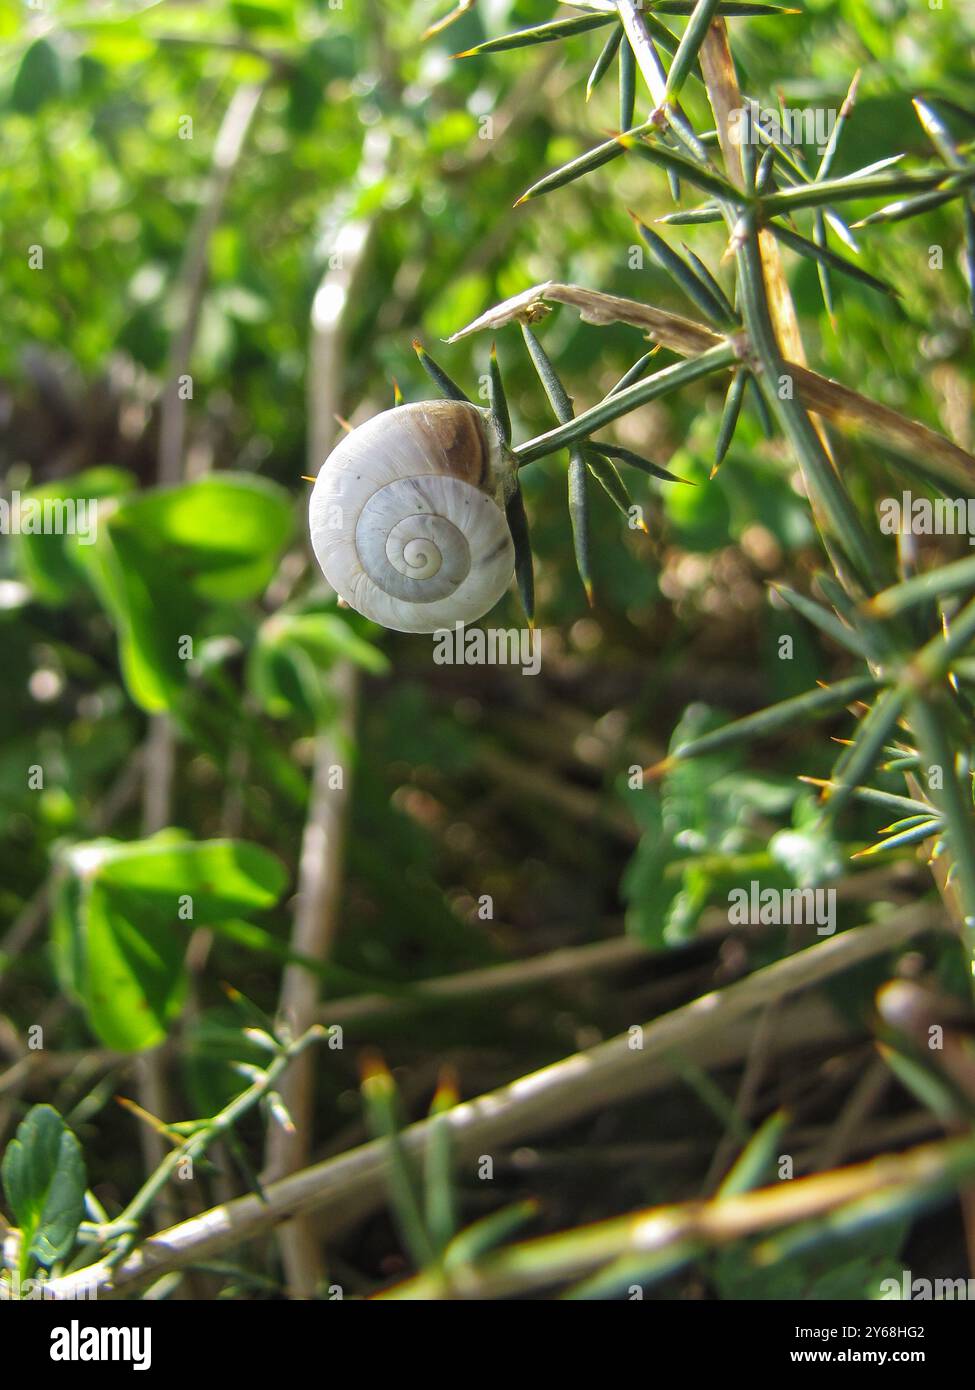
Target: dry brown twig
[831, 399]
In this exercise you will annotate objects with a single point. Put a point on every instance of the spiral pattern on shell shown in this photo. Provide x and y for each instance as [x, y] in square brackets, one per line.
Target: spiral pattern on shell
[405, 521]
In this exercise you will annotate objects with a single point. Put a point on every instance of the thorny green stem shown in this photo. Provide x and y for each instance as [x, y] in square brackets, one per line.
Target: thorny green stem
[837, 507]
[928, 719]
[197, 1144]
[828, 492]
[622, 402]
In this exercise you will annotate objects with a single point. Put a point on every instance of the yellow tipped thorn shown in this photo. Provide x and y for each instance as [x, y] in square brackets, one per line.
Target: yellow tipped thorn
[343, 423]
[587, 585]
[655, 771]
[523, 199]
[305, 479]
[851, 96]
[372, 1068]
[147, 1118]
[447, 1093]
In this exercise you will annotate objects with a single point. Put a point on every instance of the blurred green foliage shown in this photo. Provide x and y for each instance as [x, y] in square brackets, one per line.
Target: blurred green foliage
[109, 116]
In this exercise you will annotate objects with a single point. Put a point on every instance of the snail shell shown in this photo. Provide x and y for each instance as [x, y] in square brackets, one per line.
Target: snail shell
[407, 517]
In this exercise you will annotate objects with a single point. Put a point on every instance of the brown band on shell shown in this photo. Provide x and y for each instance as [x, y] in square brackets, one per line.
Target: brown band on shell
[459, 435]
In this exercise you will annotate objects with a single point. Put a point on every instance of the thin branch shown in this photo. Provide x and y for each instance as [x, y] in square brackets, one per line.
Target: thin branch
[190, 286]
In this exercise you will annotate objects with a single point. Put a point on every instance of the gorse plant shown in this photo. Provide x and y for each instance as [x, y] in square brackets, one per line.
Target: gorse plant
[911, 632]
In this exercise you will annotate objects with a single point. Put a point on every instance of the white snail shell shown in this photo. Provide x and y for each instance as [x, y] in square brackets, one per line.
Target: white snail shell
[407, 516]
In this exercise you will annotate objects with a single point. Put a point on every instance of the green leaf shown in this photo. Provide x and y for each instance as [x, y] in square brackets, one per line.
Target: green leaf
[38, 80]
[634, 373]
[488, 1233]
[293, 654]
[698, 810]
[48, 559]
[826, 163]
[923, 829]
[121, 917]
[692, 217]
[166, 559]
[807, 852]
[44, 1181]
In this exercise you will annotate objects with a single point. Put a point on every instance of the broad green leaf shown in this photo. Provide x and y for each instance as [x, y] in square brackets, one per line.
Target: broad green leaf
[121, 920]
[221, 535]
[44, 1181]
[39, 78]
[290, 661]
[70, 512]
[168, 558]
